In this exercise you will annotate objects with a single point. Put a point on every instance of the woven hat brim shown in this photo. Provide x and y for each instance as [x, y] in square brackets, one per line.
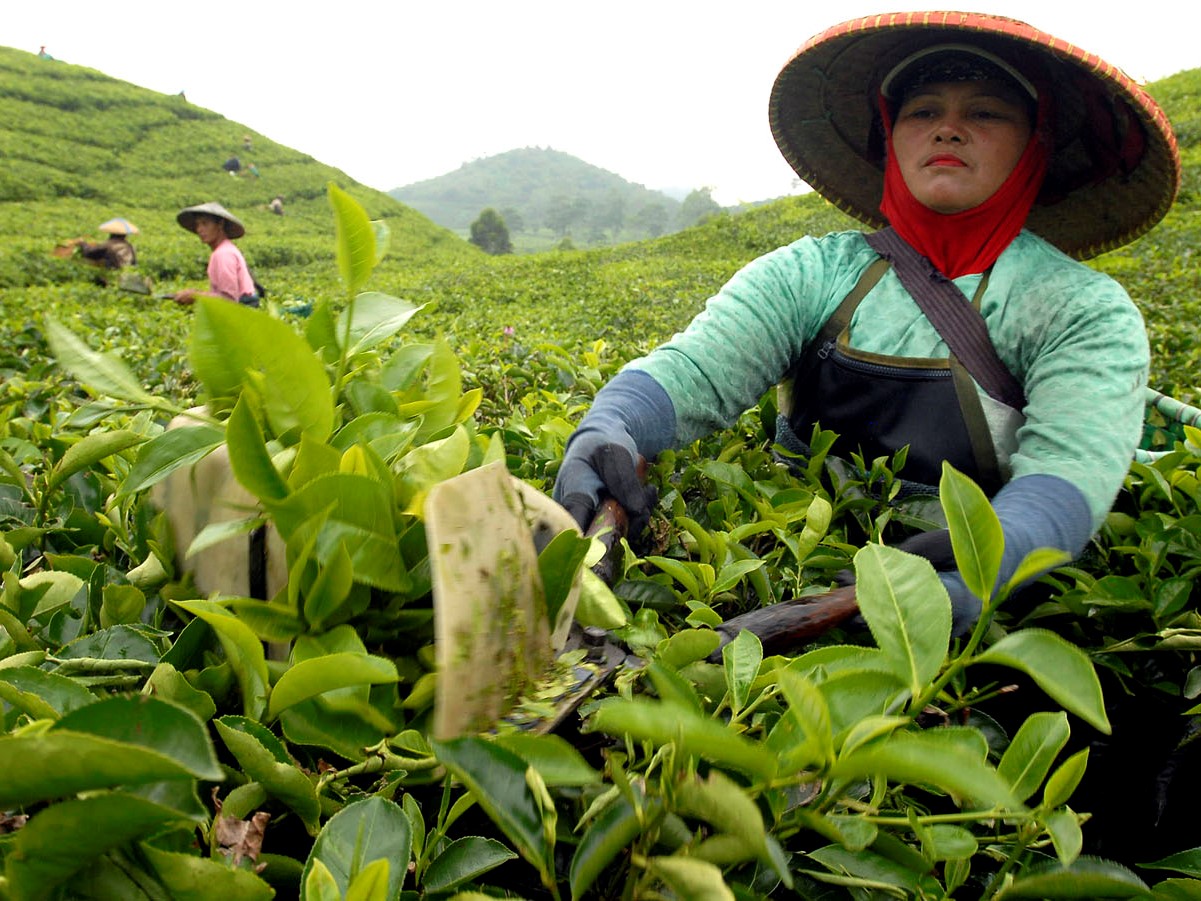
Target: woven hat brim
[118, 226]
[823, 116]
[233, 227]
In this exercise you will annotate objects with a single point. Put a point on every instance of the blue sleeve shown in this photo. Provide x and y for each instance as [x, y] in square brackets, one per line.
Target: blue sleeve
[633, 403]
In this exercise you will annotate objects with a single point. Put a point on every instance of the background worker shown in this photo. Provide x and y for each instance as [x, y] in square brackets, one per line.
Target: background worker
[229, 277]
[115, 252]
[994, 153]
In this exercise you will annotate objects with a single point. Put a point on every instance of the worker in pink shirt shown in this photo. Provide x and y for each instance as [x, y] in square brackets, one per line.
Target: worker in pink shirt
[229, 277]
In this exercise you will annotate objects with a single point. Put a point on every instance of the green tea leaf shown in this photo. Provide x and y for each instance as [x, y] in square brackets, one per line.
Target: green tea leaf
[1086, 877]
[1032, 751]
[853, 695]
[282, 780]
[319, 884]
[802, 737]
[405, 365]
[49, 590]
[945, 841]
[69, 836]
[343, 730]
[351, 510]
[1186, 862]
[725, 805]
[40, 694]
[127, 642]
[869, 870]
[168, 683]
[976, 535]
[607, 835]
[1063, 782]
[189, 877]
[60, 763]
[689, 730]
[216, 532]
[1060, 668]
[443, 387]
[103, 373]
[598, 605]
[464, 860]
[496, 779]
[907, 610]
[90, 450]
[354, 240]
[935, 757]
[1066, 836]
[359, 834]
[377, 317]
[1034, 564]
[733, 573]
[427, 464]
[690, 575]
[697, 880]
[121, 604]
[741, 659]
[330, 589]
[242, 649]
[310, 678]
[674, 687]
[687, 646]
[233, 346]
[167, 452]
[558, 565]
[248, 457]
[555, 758]
[157, 725]
[371, 882]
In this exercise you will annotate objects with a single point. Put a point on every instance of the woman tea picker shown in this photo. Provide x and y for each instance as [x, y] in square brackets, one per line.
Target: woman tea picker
[992, 156]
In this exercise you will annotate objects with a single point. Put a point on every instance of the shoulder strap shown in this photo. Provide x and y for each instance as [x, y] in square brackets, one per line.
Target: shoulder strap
[816, 350]
[841, 317]
[952, 315]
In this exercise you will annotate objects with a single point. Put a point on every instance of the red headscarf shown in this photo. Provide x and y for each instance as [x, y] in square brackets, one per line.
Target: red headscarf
[971, 240]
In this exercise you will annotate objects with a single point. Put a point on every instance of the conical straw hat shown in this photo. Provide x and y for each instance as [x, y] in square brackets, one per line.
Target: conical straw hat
[1115, 167]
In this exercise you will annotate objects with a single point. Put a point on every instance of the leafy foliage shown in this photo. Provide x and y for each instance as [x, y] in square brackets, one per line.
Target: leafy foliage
[178, 743]
[490, 234]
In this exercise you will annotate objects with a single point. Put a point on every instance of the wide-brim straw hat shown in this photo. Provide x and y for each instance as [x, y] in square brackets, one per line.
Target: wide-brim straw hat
[233, 227]
[1114, 168]
[118, 226]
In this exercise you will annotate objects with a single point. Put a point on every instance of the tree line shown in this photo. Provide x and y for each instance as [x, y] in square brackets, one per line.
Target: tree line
[609, 220]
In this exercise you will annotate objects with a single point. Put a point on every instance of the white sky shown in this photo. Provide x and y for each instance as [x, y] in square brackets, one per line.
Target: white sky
[666, 93]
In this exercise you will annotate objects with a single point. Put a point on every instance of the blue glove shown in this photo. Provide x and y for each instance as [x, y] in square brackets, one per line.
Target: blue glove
[631, 417]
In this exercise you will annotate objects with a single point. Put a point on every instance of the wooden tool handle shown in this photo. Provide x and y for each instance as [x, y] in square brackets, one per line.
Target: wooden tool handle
[787, 624]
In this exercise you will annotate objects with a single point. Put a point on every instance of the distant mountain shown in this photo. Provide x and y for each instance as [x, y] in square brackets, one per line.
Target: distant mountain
[540, 191]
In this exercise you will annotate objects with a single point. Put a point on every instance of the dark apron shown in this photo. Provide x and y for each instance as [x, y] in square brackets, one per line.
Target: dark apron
[878, 404]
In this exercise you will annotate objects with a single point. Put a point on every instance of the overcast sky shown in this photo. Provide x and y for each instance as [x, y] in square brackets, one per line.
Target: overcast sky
[665, 93]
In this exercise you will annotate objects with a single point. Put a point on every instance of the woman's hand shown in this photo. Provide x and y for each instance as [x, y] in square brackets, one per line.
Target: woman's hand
[599, 465]
[186, 297]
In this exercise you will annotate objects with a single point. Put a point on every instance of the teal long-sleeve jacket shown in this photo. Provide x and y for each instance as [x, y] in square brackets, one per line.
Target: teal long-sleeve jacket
[1071, 335]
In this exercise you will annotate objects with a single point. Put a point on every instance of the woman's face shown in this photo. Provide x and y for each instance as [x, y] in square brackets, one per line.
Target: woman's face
[957, 142]
[210, 229]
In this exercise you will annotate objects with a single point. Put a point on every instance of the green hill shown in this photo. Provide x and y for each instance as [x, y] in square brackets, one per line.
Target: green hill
[79, 147]
[545, 195]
